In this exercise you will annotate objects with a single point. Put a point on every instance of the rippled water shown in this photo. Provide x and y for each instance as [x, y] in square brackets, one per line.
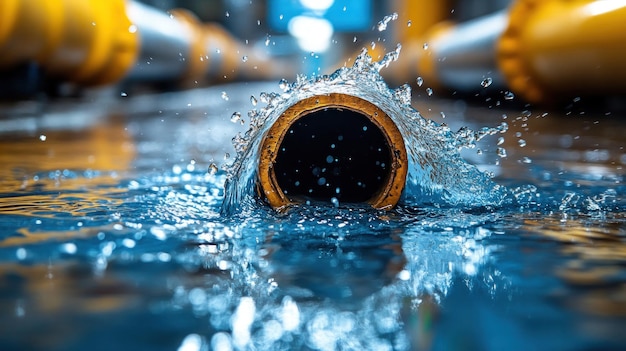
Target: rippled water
[113, 235]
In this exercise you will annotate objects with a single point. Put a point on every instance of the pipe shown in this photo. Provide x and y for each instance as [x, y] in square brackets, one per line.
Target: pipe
[98, 42]
[361, 159]
[540, 50]
[564, 48]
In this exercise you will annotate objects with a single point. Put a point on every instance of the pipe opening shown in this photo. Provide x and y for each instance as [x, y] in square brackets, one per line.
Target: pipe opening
[333, 152]
[332, 146]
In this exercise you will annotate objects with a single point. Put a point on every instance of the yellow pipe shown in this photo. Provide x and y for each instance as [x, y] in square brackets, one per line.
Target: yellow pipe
[558, 47]
[96, 42]
[362, 158]
[85, 41]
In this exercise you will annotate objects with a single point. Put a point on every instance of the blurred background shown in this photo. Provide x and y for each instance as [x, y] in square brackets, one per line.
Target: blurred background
[539, 51]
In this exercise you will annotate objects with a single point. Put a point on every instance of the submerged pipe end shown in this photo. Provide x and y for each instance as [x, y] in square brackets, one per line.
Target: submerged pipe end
[332, 148]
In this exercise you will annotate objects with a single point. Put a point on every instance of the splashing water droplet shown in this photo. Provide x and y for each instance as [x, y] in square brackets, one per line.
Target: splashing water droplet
[253, 100]
[419, 81]
[486, 82]
[334, 201]
[235, 117]
[212, 169]
[403, 94]
[501, 152]
[283, 84]
[225, 96]
[429, 91]
[509, 95]
[244, 58]
[382, 24]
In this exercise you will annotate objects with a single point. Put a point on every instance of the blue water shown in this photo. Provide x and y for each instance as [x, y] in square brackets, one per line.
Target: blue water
[112, 236]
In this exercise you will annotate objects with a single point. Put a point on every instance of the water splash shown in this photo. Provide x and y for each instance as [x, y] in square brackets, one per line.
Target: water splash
[437, 174]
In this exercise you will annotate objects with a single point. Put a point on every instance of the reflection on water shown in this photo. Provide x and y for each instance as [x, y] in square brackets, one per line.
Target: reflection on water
[129, 250]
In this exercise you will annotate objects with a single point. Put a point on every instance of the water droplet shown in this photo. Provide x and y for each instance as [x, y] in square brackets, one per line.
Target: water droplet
[253, 100]
[526, 160]
[20, 253]
[227, 156]
[283, 84]
[382, 24]
[509, 95]
[501, 152]
[244, 58]
[443, 115]
[486, 82]
[267, 42]
[42, 137]
[212, 169]
[280, 17]
[227, 14]
[329, 159]
[225, 96]
[408, 23]
[425, 46]
[500, 140]
[132, 28]
[521, 142]
[334, 201]
[123, 94]
[419, 81]
[373, 45]
[235, 117]
[321, 181]
[429, 91]
[354, 39]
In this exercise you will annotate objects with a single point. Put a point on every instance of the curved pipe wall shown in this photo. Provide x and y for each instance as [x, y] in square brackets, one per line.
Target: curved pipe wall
[361, 159]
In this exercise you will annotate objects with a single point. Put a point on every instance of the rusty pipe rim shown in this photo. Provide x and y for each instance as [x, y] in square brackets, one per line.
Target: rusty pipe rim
[388, 193]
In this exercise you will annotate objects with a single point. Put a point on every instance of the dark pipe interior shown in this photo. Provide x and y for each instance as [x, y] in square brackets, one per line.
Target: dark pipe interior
[333, 153]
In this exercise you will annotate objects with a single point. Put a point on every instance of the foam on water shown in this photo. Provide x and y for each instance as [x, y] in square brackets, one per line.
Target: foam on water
[437, 174]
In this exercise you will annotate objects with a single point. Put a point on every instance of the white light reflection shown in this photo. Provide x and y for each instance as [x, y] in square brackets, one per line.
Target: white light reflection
[242, 321]
[601, 7]
[317, 5]
[192, 342]
[313, 34]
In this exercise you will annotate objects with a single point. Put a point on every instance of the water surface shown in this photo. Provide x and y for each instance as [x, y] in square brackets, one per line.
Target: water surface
[112, 236]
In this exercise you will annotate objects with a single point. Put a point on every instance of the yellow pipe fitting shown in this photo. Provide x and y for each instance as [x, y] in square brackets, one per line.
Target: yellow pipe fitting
[562, 48]
[86, 41]
[325, 156]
